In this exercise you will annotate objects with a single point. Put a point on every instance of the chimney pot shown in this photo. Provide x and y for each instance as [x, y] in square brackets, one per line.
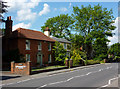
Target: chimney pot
[47, 31]
[9, 17]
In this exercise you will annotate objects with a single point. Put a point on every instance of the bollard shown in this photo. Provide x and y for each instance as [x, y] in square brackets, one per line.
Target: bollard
[104, 60]
[71, 63]
[67, 63]
[12, 67]
[28, 68]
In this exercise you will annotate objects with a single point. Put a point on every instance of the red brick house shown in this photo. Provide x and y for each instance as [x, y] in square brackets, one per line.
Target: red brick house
[34, 45]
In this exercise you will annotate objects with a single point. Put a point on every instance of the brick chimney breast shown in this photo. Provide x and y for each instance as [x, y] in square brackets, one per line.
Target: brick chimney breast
[8, 25]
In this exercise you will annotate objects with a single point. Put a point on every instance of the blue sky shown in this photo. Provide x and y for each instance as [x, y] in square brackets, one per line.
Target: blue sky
[33, 14]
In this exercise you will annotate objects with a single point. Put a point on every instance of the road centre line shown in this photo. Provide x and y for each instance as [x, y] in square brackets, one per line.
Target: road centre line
[72, 78]
[47, 76]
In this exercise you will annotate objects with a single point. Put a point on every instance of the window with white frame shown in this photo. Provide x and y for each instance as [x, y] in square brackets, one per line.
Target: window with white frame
[27, 44]
[39, 46]
[49, 46]
[27, 57]
[49, 58]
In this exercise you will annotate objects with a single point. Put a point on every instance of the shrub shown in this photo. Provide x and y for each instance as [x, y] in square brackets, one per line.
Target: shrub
[77, 57]
[60, 52]
[102, 61]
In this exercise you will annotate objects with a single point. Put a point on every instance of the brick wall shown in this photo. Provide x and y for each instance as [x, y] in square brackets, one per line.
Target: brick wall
[21, 68]
[34, 50]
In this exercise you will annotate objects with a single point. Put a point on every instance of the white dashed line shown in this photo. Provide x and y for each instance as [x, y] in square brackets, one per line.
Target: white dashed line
[74, 77]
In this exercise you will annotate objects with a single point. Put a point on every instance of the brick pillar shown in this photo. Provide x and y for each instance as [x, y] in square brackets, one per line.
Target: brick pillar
[71, 63]
[67, 63]
[104, 60]
[12, 67]
[28, 68]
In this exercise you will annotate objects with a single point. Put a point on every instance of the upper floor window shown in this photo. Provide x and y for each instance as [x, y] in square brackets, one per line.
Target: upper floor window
[27, 44]
[39, 46]
[49, 46]
[65, 47]
[27, 57]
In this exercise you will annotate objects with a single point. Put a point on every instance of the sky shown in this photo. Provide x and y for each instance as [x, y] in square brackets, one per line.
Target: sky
[32, 14]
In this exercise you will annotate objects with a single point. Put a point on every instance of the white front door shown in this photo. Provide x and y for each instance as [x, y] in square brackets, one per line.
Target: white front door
[39, 59]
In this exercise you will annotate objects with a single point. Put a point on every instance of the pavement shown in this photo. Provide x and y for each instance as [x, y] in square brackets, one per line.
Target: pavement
[98, 76]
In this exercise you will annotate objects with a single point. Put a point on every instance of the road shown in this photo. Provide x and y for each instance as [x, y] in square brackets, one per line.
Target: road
[99, 76]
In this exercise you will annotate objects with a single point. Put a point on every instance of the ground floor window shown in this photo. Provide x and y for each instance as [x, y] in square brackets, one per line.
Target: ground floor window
[39, 59]
[49, 58]
[27, 57]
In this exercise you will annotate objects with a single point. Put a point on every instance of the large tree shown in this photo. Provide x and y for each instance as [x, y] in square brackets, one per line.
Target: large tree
[3, 9]
[77, 41]
[115, 49]
[60, 25]
[90, 21]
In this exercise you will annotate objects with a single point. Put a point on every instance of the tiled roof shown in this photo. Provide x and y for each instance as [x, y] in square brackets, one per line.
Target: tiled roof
[60, 40]
[31, 34]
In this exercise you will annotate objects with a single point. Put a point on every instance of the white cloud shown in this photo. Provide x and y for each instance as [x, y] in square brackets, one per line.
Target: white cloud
[63, 9]
[23, 8]
[26, 15]
[55, 9]
[22, 25]
[21, 4]
[70, 4]
[46, 9]
[114, 39]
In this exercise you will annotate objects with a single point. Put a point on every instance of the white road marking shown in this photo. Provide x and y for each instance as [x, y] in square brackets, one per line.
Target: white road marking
[44, 85]
[88, 73]
[56, 74]
[109, 82]
[73, 77]
[70, 79]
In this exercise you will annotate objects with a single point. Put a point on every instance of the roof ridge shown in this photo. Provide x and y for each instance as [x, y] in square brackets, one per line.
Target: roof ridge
[34, 31]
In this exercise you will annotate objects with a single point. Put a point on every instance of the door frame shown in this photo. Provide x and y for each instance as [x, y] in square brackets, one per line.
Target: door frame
[40, 60]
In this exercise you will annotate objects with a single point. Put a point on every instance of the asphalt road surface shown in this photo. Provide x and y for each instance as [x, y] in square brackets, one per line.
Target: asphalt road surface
[95, 77]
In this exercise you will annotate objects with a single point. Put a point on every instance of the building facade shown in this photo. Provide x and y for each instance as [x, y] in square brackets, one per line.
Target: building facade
[34, 45]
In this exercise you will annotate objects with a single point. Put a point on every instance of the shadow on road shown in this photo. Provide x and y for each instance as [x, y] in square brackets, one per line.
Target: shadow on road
[8, 77]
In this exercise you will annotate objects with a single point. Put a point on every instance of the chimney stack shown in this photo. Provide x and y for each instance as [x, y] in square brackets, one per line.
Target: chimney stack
[8, 25]
[47, 31]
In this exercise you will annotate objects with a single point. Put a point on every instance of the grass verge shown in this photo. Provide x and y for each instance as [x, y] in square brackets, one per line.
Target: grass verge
[48, 67]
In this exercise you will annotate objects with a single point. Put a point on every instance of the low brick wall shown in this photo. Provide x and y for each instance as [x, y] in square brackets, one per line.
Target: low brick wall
[21, 68]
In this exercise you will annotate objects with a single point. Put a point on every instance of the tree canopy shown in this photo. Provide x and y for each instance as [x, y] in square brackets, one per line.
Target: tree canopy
[115, 49]
[3, 9]
[92, 23]
[60, 25]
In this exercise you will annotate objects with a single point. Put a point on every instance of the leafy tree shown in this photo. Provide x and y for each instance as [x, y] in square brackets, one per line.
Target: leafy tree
[60, 25]
[90, 21]
[77, 41]
[3, 9]
[100, 46]
[115, 49]
[60, 52]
